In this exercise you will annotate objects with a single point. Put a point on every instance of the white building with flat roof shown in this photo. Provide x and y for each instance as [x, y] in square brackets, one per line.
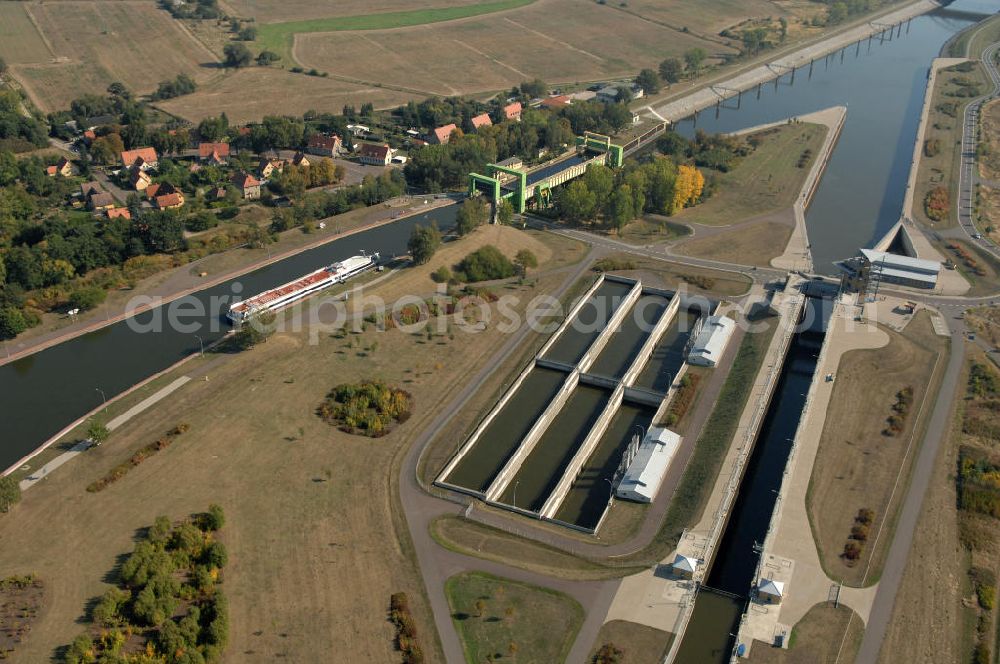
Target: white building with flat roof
[645, 473]
[711, 341]
[889, 268]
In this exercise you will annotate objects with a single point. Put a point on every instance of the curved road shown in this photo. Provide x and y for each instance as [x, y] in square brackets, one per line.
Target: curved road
[967, 176]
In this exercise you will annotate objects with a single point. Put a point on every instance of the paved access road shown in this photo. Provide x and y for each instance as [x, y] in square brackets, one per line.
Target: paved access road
[967, 176]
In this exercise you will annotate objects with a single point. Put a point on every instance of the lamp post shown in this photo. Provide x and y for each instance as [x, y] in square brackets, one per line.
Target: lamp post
[611, 493]
[514, 499]
[200, 343]
[103, 398]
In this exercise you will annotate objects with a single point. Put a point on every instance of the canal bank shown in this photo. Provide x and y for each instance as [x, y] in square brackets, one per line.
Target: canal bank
[46, 391]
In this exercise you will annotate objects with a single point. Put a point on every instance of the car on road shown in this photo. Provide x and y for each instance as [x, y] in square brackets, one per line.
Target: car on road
[977, 236]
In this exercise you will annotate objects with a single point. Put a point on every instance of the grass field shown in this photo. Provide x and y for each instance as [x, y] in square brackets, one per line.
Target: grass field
[825, 635]
[558, 41]
[316, 554]
[239, 96]
[282, 11]
[755, 243]
[639, 644]
[989, 143]
[768, 180]
[96, 43]
[857, 466]
[278, 37]
[944, 128]
[20, 41]
[511, 620]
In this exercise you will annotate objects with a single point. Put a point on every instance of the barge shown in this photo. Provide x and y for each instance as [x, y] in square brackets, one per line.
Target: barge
[305, 286]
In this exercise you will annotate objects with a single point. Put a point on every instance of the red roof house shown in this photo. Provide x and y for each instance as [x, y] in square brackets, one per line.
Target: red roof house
[325, 146]
[215, 152]
[442, 135]
[512, 111]
[376, 155]
[482, 120]
[147, 155]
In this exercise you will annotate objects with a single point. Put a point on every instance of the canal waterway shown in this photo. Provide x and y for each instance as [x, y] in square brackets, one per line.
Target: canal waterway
[732, 572]
[591, 319]
[46, 391]
[882, 84]
[623, 347]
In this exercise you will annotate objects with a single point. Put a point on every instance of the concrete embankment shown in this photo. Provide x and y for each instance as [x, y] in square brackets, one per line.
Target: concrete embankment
[732, 87]
[700, 542]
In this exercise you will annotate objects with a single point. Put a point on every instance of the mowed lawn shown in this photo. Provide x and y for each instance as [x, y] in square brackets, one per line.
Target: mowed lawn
[278, 37]
[767, 180]
[857, 466]
[314, 532]
[511, 621]
[825, 635]
[555, 40]
[249, 94]
[755, 243]
[639, 644]
[96, 43]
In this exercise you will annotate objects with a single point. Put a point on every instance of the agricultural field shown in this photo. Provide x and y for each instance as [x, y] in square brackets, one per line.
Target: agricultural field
[281, 11]
[865, 451]
[714, 17]
[559, 41]
[239, 96]
[20, 41]
[315, 557]
[96, 43]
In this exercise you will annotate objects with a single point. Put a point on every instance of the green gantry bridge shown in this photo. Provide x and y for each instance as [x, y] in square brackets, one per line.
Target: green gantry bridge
[520, 186]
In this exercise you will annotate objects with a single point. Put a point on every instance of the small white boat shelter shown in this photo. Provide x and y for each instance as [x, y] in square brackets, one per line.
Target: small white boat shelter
[711, 341]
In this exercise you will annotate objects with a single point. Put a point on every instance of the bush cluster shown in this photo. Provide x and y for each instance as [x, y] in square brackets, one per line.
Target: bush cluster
[613, 265]
[682, 399]
[859, 535]
[967, 259]
[932, 147]
[370, 408]
[978, 482]
[609, 653]
[936, 203]
[141, 455]
[406, 629]
[167, 591]
[485, 264]
[900, 409]
[701, 281]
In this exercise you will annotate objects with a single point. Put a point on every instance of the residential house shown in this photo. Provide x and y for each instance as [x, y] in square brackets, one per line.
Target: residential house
[481, 120]
[100, 200]
[146, 158]
[160, 189]
[64, 168]
[376, 155]
[512, 111]
[89, 136]
[557, 102]
[213, 153]
[248, 185]
[87, 189]
[118, 213]
[268, 166]
[442, 135]
[139, 179]
[300, 160]
[172, 201]
[324, 146]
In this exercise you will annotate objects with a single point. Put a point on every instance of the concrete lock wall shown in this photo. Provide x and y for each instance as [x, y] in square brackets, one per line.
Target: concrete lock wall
[498, 406]
[558, 494]
[661, 327]
[614, 323]
[514, 464]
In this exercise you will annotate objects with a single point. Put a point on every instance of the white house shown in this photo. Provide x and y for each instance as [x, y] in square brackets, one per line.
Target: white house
[683, 566]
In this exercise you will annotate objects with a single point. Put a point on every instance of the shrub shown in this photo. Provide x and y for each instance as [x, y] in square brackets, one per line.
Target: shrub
[932, 147]
[10, 493]
[852, 551]
[936, 203]
[485, 264]
[865, 516]
[214, 518]
[859, 532]
[87, 297]
[442, 275]
[370, 408]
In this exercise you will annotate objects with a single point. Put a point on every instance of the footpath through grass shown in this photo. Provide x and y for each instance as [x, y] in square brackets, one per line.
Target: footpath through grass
[503, 619]
[278, 37]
